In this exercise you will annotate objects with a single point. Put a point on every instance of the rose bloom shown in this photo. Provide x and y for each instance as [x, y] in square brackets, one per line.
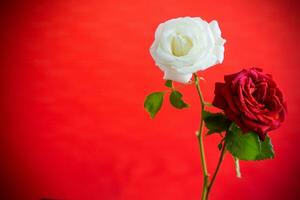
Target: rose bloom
[252, 99]
[186, 45]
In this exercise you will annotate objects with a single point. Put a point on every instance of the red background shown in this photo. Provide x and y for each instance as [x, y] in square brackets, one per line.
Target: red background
[74, 75]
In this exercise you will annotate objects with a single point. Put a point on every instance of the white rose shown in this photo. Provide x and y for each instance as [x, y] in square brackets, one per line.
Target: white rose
[186, 45]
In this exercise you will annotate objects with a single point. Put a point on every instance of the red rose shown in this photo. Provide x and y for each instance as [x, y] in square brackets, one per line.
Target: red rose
[251, 99]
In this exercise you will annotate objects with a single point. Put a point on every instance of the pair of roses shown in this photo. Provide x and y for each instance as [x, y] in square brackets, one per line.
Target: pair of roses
[250, 98]
[251, 101]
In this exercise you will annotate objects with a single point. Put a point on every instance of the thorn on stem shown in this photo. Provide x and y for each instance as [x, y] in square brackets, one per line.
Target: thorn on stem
[202, 78]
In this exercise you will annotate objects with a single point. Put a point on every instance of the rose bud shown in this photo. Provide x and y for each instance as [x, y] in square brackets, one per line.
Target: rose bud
[252, 100]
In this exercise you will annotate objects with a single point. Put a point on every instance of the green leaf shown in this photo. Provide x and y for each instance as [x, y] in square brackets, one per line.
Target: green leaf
[169, 84]
[176, 100]
[153, 103]
[267, 150]
[215, 122]
[248, 146]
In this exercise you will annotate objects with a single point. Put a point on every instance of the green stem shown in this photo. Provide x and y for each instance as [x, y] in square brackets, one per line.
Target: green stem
[223, 151]
[200, 140]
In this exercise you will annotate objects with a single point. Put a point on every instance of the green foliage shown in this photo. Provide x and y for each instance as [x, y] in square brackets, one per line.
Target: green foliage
[267, 150]
[215, 122]
[153, 103]
[169, 84]
[220, 145]
[248, 146]
[176, 100]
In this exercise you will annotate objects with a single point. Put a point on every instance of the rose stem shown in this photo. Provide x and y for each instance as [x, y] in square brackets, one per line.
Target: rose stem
[223, 151]
[200, 140]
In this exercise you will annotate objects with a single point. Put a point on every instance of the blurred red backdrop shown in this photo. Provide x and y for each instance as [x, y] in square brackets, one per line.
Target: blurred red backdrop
[74, 75]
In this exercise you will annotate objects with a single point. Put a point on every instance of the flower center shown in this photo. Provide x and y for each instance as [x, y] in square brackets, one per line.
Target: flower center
[181, 45]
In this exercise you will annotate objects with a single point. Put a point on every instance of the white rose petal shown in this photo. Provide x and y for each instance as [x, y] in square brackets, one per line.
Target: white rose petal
[183, 46]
